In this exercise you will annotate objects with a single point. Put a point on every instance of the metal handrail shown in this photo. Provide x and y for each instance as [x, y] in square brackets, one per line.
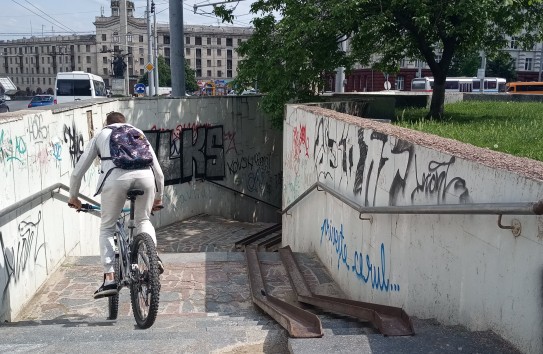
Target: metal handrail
[43, 195]
[243, 194]
[529, 208]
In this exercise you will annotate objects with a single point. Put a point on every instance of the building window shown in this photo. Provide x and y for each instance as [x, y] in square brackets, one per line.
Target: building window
[218, 41]
[209, 73]
[229, 54]
[89, 70]
[198, 53]
[104, 37]
[528, 64]
[198, 63]
[219, 73]
[188, 62]
[228, 73]
[129, 37]
[229, 64]
[116, 37]
[105, 71]
[141, 50]
[88, 60]
[208, 40]
[187, 40]
[115, 12]
[208, 52]
[514, 43]
[400, 82]
[142, 61]
[198, 40]
[142, 72]
[141, 38]
[104, 49]
[87, 48]
[239, 41]
[187, 51]
[166, 52]
[104, 60]
[166, 39]
[219, 52]
[209, 63]
[219, 63]
[198, 72]
[229, 42]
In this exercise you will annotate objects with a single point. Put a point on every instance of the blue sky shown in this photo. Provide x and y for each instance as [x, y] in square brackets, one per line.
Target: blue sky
[23, 18]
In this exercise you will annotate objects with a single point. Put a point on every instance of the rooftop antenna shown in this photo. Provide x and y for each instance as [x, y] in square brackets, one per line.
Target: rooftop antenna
[102, 11]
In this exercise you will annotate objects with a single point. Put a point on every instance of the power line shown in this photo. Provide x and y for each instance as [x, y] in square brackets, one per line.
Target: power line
[61, 26]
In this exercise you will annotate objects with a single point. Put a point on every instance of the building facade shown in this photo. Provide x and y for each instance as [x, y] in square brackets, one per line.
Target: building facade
[32, 63]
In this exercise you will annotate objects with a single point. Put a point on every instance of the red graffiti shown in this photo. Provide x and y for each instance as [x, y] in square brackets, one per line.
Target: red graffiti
[300, 140]
[230, 142]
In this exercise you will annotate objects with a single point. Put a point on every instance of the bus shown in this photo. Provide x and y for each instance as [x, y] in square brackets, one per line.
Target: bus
[460, 84]
[533, 88]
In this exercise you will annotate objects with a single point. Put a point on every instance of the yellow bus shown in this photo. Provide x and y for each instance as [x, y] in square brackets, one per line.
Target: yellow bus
[533, 88]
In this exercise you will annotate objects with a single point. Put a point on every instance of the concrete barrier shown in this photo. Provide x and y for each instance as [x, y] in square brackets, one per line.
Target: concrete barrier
[459, 269]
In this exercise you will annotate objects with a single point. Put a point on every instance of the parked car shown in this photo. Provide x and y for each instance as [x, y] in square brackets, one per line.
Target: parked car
[3, 106]
[41, 100]
[5, 98]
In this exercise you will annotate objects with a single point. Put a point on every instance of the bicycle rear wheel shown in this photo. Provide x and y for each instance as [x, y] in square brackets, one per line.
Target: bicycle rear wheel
[145, 285]
[113, 301]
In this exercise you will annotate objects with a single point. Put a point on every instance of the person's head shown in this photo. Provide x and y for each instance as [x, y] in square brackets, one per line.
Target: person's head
[115, 117]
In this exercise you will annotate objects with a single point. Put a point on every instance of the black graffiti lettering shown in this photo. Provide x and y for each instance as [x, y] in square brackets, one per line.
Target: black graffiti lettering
[399, 183]
[434, 183]
[75, 141]
[214, 153]
[38, 131]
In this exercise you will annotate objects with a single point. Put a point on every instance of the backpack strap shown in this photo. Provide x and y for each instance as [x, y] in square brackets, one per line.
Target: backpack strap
[100, 156]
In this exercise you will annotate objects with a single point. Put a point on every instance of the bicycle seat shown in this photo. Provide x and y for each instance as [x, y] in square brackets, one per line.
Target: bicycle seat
[134, 192]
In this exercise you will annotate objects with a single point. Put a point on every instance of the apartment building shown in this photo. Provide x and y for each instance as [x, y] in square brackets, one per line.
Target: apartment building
[32, 63]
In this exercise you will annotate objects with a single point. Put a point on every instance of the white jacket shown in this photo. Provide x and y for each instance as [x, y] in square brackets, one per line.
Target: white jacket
[99, 146]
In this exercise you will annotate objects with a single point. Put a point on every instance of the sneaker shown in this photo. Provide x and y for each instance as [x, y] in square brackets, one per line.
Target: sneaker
[160, 265]
[106, 290]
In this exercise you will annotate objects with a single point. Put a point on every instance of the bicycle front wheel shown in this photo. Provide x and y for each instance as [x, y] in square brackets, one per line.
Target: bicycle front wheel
[145, 285]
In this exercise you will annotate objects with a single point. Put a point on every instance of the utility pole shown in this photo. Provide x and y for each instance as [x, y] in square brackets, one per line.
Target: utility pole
[155, 44]
[177, 55]
[340, 72]
[124, 32]
[150, 74]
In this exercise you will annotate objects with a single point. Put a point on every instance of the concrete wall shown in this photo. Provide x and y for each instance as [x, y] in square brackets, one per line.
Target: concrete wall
[224, 139]
[459, 269]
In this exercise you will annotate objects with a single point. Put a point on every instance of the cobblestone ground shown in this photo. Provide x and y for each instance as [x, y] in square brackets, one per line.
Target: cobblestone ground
[194, 283]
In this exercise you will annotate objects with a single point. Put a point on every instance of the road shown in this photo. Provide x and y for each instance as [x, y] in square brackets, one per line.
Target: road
[17, 105]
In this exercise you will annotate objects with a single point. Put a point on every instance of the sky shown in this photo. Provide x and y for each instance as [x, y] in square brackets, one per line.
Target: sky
[26, 18]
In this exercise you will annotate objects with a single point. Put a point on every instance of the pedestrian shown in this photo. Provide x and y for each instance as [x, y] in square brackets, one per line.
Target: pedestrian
[113, 184]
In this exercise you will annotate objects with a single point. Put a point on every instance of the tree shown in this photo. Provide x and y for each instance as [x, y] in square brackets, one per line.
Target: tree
[499, 65]
[295, 42]
[164, 76]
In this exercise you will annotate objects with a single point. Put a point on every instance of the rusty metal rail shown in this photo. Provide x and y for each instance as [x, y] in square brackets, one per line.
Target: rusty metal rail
[390, 321]
[259, 235]
[298, 322]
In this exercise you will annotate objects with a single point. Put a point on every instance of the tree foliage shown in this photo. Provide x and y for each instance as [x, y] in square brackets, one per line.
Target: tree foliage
[165, 79]
[295, 42]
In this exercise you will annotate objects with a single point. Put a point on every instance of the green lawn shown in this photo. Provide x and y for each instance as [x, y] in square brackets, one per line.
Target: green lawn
[515, 128]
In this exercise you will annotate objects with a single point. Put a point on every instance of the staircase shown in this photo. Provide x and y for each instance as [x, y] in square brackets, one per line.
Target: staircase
[206, 307]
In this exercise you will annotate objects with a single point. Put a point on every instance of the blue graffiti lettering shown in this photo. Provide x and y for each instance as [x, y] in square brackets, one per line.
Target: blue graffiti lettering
[376, 274]
[337, 239]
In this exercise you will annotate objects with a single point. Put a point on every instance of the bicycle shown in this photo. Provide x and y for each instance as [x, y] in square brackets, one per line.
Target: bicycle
[136, 266]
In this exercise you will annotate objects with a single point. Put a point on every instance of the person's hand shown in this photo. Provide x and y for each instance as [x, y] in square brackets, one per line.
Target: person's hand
[74, 202]
[157, 205]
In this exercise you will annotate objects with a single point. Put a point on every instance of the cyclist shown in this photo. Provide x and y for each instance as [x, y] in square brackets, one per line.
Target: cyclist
[113, 185]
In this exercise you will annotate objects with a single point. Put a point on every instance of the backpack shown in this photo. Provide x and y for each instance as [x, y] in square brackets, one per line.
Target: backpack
[129, 148]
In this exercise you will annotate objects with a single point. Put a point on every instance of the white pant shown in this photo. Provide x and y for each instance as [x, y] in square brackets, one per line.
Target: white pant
[113, 200]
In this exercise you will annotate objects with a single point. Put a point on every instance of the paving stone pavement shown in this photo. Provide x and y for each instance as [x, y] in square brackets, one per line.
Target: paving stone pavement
[205, 281]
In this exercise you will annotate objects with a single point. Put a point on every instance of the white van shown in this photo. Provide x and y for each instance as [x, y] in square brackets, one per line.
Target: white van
[78, 85]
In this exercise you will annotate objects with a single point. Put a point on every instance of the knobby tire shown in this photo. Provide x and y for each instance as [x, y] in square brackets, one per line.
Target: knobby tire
[145, 287]
[113, 301]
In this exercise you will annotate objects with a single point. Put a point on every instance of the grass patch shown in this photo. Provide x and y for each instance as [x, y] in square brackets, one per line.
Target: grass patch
[515, 128]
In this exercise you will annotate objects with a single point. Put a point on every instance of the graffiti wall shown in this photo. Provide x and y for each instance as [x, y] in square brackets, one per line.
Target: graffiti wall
[224, 140]
[460, 269]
